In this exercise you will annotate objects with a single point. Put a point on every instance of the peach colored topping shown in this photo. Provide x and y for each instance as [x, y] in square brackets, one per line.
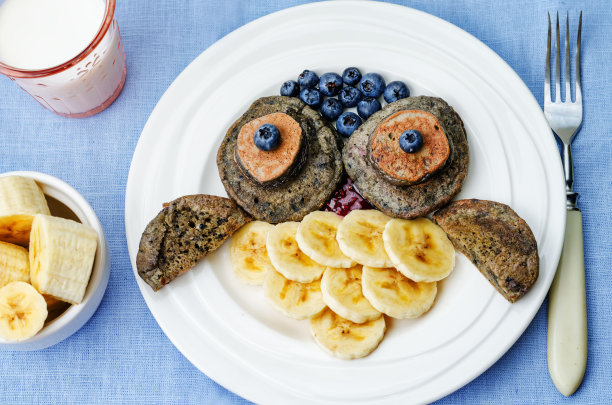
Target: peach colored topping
[386, 153]
[266, 166]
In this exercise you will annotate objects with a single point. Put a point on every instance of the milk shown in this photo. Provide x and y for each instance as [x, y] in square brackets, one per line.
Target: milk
[39, 34]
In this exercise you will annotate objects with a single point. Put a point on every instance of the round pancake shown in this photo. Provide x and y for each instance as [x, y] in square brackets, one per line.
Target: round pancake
[305, 190]
[414, 200]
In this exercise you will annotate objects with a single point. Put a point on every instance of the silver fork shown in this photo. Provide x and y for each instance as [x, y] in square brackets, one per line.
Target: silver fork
[567, 327]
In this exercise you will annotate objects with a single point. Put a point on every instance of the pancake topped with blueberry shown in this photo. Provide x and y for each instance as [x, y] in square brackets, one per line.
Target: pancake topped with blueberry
[409, 158]
[280, 160]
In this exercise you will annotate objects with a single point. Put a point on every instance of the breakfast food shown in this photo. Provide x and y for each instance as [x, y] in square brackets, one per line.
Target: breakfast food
[342, 292]
[394, 294]
[498, 242]
[345, 306]
[20, 200]
[293, 299]
[345, 339]
[23, 311]
[14, 264]
[436, 188]
[316, 236]
[248, 254]
[61, 257]
[287, 257]
[419, 249]
[184, 231]
[303, 187]
[360, 237]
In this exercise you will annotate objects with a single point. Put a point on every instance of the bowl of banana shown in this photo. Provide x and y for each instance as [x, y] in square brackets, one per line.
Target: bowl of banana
[54, 261]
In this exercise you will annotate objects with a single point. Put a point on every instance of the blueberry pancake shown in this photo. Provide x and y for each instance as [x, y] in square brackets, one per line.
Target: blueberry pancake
[286, 183]
[184, 231]
[423, 182]
[498, 242]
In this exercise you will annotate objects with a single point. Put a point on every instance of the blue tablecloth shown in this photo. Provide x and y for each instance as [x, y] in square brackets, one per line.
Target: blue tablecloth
[122, 356]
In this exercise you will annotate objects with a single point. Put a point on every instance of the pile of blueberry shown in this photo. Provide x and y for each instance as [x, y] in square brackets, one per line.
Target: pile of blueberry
[332, 93]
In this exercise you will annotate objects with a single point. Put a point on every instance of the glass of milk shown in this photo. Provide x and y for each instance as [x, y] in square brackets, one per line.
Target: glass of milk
[67, 54]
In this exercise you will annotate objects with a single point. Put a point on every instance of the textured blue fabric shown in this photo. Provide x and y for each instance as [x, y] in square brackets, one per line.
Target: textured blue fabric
[122, 356]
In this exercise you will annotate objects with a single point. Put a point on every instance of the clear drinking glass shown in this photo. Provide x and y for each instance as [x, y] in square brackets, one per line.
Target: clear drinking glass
[87, 83]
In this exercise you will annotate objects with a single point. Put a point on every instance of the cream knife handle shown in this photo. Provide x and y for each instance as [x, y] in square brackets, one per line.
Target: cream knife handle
[567, 324]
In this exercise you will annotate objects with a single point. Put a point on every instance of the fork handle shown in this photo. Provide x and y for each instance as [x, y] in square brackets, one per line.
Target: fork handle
[567, 322]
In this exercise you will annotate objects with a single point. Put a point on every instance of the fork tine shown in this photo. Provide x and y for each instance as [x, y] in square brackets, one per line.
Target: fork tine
[568, 91]
[547, 98]
[578, 81]
[558, 65]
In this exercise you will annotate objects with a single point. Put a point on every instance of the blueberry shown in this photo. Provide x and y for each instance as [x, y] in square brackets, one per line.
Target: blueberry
[351, 76]
[331, 108]
[308, 79]
[330, 84]
[290, 89]
[368, 106]
[372, 85]
[312, 97]
[347, 123]
[267, 137]
[395, 91]
[411, 141]
[349, 96]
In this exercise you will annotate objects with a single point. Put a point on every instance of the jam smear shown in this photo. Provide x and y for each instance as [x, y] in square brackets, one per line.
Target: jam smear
[346, 199]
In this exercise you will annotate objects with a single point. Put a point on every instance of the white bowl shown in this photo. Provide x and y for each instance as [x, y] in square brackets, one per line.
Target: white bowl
[73, 318]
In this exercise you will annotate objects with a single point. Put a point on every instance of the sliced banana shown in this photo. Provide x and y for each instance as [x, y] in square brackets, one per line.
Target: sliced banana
[360, 237]
[61, 257]
[345, 339]
[248, 254]
[23, 311]
[316, 236]
[395, 295]
[419, 249]
[341, 290]
[14, 264]
[286, 256]
[293, 299]
[20, 200]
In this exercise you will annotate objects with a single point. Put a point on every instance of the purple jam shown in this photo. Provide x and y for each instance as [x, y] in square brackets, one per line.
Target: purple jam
[346, 199]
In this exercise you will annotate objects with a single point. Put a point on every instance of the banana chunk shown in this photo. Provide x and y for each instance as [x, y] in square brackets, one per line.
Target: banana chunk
[22, 311]
[20, 200]
[360, 237]
[345, 339]
[342, 293]
[316, 236]
[419, 249]
[287, 257]
[14, 264]
[395, 295]
[248, 254]
[61, 257]
[293, 299]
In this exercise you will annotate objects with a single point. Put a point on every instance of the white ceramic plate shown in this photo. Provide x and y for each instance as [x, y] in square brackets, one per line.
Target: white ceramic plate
[224, 327]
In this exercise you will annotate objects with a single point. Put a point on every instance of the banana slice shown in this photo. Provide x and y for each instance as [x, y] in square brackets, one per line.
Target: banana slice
[20, 200]
[61, 257]
[360, 237]
[345, 339]
[14, 264]
[248, 254]
[419, 249]
[395, 295]
[22, 311]
[316, 236]
[286, 256]
[341, 290]
[295, 300]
